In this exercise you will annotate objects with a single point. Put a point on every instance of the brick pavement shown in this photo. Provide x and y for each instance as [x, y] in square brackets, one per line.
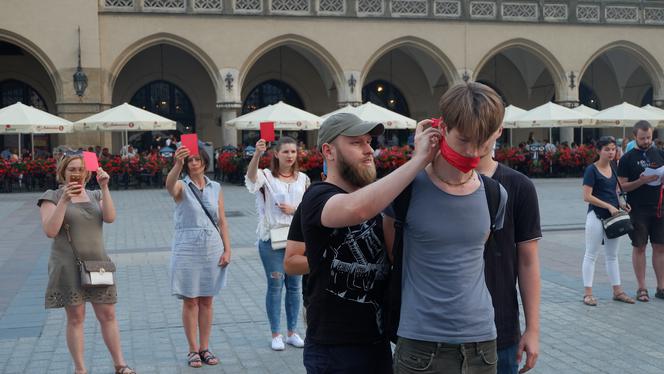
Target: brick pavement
[611, 338]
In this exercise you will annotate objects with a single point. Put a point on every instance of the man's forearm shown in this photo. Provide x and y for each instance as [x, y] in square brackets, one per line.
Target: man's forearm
[530, 283]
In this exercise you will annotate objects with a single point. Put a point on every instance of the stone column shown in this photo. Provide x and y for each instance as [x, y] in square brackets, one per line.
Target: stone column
[73, 111]
[568, 96]
[227, 112]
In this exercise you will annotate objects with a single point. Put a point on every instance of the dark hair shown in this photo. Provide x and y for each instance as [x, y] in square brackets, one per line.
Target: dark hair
[204, 157]
[641, 125]
[274, 164]
[604, 141]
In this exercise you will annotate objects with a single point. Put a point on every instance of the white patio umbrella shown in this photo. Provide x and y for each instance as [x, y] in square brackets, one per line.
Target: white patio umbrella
[285, 117]
[124, 117]
[511, 114]
[656, 110]
[587, 111]
[347, 109]
[552, 115]
[390, 120]
[22, 119]
[624, 115]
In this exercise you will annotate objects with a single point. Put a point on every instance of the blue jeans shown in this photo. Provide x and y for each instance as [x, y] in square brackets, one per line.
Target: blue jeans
[273, 263]
[507, 360]
[347, 359]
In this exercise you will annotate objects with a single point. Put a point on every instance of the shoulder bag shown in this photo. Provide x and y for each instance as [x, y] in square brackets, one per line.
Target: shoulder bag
[278, 235]
[93, 274]
[619, 224]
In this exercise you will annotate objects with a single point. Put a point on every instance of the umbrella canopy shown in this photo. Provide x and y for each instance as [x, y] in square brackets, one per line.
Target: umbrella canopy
[22, 119]
[124, 117]
[511, 114]
[284, 116]
[657, 111]
[347, 109]
[624, 115]
[586, 110]
[391, 120]
[552, 115]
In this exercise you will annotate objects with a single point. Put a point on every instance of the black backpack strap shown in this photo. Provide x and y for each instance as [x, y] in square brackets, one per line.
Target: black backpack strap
[492, 191]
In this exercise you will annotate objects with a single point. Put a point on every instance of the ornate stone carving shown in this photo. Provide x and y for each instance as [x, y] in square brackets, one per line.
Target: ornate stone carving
[248, 6]
[208, 5]
[290, 6]
[370, 7]
[587, 13]
[119, 3]
[653, 15]
[519, 11]
[482, 9]
[446, 8]
[629, 14]
[409, 7]
[332, 7]
[555, 12]
[164, 4]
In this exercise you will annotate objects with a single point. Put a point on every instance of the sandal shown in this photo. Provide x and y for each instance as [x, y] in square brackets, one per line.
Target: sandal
[624, 298]
[194, 360]
[642, 295]
[208, 357]
[660, 293]
[124, 370]
[590, 300]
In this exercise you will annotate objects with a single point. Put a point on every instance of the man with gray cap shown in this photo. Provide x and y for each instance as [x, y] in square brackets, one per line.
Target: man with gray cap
[342, 229]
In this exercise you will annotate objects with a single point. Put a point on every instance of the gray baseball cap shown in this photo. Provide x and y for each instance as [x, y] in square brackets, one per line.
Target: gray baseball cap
[346, 124]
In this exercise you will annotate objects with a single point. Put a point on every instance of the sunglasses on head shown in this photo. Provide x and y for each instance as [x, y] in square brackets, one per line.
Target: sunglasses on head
[73, 153]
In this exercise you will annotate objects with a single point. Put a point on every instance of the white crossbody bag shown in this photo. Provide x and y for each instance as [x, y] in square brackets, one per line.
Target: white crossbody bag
[278, 235]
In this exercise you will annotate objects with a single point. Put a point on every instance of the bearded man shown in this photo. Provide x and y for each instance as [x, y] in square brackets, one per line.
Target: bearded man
[342, 229]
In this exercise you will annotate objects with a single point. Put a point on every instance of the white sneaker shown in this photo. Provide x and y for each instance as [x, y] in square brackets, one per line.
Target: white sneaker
[295, 341]
[278, 343]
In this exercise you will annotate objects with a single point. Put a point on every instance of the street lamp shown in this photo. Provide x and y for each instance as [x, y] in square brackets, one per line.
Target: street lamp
[80, 79]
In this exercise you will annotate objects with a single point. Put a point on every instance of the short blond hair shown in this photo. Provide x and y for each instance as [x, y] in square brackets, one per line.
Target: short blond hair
[474, 109]
[62, 167]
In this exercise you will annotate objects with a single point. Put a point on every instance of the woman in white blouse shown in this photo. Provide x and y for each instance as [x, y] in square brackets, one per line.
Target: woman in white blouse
[279, 191]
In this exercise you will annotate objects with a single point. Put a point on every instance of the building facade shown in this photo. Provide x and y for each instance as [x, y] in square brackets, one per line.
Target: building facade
[203, 62]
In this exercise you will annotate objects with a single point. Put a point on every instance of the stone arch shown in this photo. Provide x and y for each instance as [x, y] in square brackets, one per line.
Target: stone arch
[40, 56]
[449, 71]
[309, 50]
[645, 59]
[163, 38]
[548, 59]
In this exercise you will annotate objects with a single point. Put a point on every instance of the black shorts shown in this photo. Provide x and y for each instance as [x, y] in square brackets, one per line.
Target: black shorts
[646, 225]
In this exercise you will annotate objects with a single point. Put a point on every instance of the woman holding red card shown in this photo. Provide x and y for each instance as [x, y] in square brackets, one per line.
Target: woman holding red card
[72, 214]
[279, 191]
[201, 248]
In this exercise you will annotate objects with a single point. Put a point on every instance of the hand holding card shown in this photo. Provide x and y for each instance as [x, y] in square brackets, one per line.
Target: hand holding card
[191, 142]
[267, 131]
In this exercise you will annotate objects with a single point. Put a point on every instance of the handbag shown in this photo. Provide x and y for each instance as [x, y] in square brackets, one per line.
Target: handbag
[619, 224]
[279, 237]
[92, 273]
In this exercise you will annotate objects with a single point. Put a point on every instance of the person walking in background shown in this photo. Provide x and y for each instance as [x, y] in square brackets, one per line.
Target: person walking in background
[279, 191]
[73, 217]
[600, 184]
[201, 249]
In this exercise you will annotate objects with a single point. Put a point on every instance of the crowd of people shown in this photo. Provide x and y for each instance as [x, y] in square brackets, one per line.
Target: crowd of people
[433, 257]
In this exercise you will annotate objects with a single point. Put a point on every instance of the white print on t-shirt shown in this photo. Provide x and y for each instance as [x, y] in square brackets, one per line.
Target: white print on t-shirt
[357, 263]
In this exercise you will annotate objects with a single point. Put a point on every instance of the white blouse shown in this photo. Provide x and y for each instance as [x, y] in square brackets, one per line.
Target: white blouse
[275, 192]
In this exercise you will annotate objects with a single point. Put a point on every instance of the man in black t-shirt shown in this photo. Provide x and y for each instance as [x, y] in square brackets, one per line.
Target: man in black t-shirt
[342, 229]
[510, 257]
[646, 203]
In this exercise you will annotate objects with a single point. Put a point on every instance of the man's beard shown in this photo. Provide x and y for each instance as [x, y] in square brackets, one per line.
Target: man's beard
[356, 174]
[643, 148]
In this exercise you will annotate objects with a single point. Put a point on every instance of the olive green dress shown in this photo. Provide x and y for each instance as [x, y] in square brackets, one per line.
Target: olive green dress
[85, 225]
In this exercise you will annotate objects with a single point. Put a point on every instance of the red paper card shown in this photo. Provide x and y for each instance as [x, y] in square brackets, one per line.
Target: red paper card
[267, 131]
[191, 142]
[90, 161]
[435, 122]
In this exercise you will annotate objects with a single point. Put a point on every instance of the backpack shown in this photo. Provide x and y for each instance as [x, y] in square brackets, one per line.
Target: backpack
[401, 203]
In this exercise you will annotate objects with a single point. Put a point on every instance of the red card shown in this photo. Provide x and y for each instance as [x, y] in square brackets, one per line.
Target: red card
[435, 122]
[267, 131]
[191, 142]
[90, 161]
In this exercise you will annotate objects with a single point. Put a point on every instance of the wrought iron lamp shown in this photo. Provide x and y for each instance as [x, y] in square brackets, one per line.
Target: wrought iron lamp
[80, 79]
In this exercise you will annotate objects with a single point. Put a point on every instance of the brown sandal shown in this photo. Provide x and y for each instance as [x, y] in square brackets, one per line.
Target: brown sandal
[590, 300]
[208, 358]
[642, 295]
[623, 298]
[194, 360]
[124, 370]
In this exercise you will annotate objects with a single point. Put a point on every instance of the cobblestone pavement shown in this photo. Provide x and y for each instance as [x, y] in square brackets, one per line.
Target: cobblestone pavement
[610, 338]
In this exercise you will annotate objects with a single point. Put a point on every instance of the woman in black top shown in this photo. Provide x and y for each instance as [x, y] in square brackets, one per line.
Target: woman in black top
[600, 184]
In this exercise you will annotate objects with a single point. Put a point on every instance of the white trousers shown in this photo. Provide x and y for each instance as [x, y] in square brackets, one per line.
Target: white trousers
[594, 237]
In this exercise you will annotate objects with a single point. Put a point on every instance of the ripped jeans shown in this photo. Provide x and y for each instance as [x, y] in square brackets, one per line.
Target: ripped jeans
[273, 263]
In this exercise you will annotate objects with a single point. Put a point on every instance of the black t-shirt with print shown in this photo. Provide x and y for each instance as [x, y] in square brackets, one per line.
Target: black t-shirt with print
[521, 224]
[645, 198]
[348, 270]
[295, 234]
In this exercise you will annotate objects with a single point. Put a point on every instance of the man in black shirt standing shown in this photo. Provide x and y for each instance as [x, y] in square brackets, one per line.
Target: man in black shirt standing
[512, 256]
[646, 203]
[342, 229]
